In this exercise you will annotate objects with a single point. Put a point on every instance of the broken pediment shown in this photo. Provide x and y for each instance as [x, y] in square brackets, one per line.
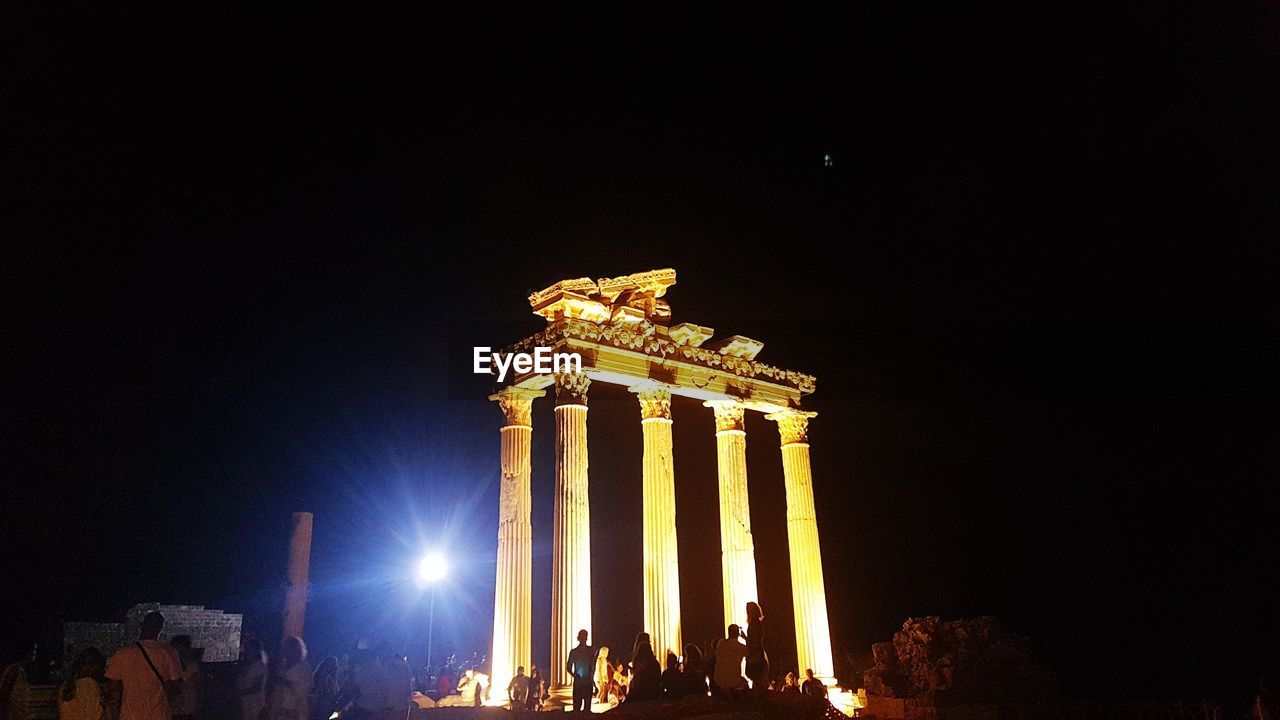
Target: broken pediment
[621, 300]
[690, 334]
[736, 346]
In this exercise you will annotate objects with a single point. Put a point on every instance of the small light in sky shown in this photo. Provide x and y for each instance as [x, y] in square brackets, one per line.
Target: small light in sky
[826, 160]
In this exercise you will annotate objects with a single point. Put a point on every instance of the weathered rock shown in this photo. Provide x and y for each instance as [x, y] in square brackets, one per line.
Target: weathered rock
[973, 660]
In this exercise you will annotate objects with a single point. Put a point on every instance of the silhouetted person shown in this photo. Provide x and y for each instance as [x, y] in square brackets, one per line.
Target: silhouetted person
[145, 674]
[186, 702]
[289, 685]
[582, 666]
[251, 680]
[646, 674]
[672, 681]
[81, 695]
[537, 688]
[757, 658]
[729, 655]
[812, 686]
[325, 688]
[694, 672]
[518, 689]
[397, 678]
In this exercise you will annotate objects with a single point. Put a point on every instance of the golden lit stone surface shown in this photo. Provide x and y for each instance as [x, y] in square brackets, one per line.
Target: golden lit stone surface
[808, 591]
[737, 548]
[512, 606]
[571, 551]
[620, 328]
[661, 559]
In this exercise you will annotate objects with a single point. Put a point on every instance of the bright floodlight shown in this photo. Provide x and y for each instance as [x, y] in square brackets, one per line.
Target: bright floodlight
[432, 568]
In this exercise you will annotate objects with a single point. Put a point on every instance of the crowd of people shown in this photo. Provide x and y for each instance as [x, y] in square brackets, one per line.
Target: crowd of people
[733, 667]
[155, 680]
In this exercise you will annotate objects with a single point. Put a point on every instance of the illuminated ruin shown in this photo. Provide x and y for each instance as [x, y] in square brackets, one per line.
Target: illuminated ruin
[621, 328]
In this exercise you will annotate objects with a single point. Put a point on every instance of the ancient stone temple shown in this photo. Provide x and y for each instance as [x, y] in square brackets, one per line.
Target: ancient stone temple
[621, 329]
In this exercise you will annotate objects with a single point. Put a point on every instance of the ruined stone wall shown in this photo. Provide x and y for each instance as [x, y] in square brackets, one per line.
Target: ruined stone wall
[213, 631]
[76, 636]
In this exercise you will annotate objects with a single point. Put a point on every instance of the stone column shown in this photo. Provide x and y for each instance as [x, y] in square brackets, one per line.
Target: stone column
[661, 562]
[571, 551]
[808, 593]
[295, 594]
[738, 553]
[513, 595]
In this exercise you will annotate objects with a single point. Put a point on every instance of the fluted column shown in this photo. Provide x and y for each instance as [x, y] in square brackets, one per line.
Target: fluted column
[661, 562]
[738, 553]
[808, 593]
[513, 596]
[571, 554]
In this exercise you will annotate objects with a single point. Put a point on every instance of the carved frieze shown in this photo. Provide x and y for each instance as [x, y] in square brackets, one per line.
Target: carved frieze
[641, 337]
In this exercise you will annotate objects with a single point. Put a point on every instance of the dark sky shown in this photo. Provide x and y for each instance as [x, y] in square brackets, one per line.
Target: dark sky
[253, 252]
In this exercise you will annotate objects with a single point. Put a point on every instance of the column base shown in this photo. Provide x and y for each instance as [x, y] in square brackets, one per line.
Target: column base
[561, 700]
[848, 702]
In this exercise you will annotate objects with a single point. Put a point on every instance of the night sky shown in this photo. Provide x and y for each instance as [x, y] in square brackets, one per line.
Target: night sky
[253, 253]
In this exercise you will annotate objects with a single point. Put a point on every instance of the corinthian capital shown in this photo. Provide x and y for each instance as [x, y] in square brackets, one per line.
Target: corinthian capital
[793, 425]
[571, 388]
[517, 404]
[729, 414]
[655, 399]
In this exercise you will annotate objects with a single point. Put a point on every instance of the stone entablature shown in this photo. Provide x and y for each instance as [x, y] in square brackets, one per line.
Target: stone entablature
[621, 328]
[656, 343]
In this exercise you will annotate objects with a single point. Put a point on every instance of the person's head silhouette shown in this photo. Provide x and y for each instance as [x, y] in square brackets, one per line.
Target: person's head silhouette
[582, 637]
[152, 624]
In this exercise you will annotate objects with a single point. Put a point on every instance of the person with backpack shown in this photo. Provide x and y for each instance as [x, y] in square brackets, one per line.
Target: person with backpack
[146, 674]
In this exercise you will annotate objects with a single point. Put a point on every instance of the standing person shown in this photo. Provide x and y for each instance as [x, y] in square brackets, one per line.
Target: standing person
[186, 702]
[730, 653]
[396, 676]
[81, 695]
[145, 673]
[757, 658]
[812, 686]
[581, 665]
[369, 683]
[604, 673]
[518, 689]
[251, 680]
[324, 689]
[289, 685]
[537, 688]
